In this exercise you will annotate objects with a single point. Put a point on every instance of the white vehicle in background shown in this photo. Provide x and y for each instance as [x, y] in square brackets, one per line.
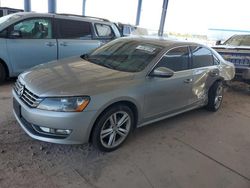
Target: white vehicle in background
[30, 39]
[237, 50]
[6, 10]
[131, 30]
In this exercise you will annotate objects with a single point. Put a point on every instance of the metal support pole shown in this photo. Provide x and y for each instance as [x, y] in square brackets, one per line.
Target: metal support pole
[138, 16]
[27, 5]
[83, 7]
[52, 6]
[163, 17]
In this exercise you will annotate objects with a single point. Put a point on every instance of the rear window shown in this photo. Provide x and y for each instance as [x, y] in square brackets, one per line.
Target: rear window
[71, 29]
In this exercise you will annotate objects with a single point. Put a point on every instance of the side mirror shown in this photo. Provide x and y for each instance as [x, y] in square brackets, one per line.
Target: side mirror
[218, 42]
[162, 72]
[16, 34]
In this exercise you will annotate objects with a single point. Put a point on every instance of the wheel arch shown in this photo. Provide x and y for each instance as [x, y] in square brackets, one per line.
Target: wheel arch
[125, 102]
[5, 67]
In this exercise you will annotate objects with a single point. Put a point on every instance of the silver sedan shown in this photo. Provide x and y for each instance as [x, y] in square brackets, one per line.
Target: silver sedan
[128, 83]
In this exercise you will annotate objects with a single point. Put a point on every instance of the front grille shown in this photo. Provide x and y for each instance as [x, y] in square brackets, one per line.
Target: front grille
[26, 96]
[237, 58]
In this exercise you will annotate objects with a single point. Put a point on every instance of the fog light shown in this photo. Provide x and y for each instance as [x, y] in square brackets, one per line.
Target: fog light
[56, 131]
[63, 131]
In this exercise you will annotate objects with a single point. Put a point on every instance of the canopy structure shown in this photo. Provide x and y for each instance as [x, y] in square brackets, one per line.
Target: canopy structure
[52, 9]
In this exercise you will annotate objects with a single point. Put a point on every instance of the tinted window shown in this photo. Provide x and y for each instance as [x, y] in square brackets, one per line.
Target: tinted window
[33, 28]
[71, 29]
[12, 11]
[176, 59]
[216, 60]
[104, 30]
[125, 55]
[202, 57]
[3, 34]
[1, 13]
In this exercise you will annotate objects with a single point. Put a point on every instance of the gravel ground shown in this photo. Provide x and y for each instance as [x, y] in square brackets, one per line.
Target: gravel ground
[195, 149]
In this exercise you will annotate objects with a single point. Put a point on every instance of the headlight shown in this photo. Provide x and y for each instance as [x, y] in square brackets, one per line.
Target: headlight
[64, 104]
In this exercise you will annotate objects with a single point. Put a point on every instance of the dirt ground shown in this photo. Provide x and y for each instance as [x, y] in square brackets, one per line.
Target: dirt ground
[198, 149]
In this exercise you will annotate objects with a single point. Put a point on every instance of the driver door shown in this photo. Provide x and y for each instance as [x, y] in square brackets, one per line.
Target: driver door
[169, 95]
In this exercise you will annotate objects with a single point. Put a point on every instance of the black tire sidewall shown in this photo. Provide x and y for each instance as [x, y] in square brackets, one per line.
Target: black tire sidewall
[211, 106]
[101, 120]
[2, 73]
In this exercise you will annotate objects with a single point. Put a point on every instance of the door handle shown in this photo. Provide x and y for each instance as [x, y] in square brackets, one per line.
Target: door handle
[50, 44]
[64, 44]
[189, 80]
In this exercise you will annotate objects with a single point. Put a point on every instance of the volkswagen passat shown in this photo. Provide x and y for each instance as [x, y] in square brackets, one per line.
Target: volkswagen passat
[131, 82]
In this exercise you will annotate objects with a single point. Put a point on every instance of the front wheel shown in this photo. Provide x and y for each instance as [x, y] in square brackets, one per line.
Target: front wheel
[215, 96]
[113, 128]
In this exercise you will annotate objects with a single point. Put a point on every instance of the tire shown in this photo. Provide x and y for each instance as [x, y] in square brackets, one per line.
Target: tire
[215, 96]
[2, 73]
[107, 134]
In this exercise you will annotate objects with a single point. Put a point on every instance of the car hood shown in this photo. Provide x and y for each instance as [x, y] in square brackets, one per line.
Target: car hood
[73, 76]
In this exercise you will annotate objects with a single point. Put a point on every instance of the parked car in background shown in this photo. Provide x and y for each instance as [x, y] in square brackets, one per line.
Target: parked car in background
[6, 10]
[127, 83]
[131, 30]
[29, 39]
[237, 50]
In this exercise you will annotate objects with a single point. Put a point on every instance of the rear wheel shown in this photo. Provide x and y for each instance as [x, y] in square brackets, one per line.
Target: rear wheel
[2, 73]
[215, 96]
[113, 128]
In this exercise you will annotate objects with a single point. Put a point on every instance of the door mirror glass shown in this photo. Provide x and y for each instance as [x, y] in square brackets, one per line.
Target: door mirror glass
[16, 34]
[162, 72]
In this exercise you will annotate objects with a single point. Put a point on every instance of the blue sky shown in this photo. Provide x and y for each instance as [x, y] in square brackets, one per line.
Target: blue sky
[183, 16]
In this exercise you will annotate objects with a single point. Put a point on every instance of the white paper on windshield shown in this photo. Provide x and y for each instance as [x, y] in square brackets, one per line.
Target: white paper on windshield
[148, 49]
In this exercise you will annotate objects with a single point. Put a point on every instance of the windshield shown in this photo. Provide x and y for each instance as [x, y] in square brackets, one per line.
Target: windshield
[125, 55]
[238, 40]
[6, 19]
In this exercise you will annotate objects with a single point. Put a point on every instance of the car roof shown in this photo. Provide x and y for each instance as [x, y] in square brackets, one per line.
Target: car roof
[160, 41]
[67, 16]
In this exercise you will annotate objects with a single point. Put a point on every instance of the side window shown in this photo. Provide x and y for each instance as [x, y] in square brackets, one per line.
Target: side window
[202, 57]
[104, 30]
[72, 29]
[216, 60]
[176, 59]
[1, 13]
[38, 28]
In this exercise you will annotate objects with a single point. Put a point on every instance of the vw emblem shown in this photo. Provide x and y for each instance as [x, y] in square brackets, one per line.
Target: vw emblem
[20, 91]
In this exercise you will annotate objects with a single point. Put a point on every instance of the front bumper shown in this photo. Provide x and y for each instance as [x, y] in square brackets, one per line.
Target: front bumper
[242, 72]
[79, 122]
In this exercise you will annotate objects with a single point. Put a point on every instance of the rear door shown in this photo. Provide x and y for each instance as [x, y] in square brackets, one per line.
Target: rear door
[33, 46]
[169, 95]
[205, 72]
[75, 37]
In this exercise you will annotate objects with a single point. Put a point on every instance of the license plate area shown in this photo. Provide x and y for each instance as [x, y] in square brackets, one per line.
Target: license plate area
[17, 107]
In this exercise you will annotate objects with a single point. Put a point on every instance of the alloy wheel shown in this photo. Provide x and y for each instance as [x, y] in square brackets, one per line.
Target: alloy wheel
[218, 96]
[115, 129]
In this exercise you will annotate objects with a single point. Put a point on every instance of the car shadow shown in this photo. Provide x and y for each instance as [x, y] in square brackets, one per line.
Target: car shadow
[238, 86]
